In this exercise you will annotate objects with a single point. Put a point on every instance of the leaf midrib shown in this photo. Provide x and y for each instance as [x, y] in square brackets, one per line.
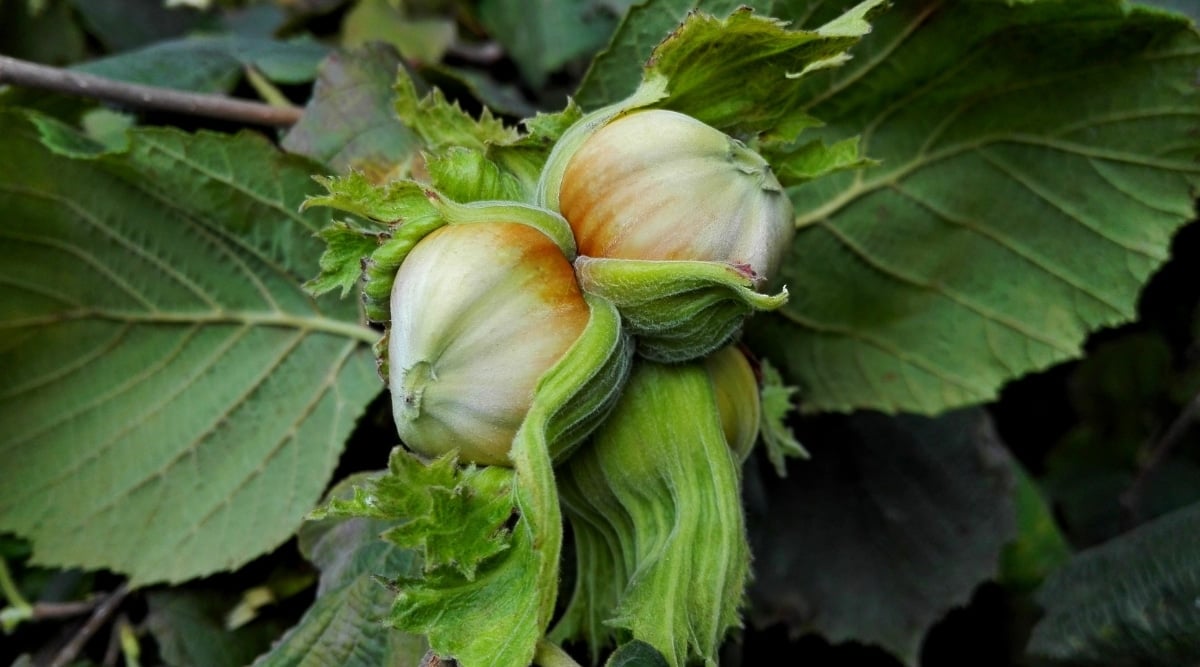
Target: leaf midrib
[268, 318]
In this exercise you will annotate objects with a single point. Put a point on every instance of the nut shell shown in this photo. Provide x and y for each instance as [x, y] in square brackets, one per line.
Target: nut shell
[479, 312]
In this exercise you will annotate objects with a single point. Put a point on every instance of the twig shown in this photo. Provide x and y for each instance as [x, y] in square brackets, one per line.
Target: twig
[9, 588]
[22, 73]
[99, 617]
[1131, 500]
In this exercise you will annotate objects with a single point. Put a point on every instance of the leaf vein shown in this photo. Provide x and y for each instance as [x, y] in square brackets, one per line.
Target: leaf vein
[941, 289]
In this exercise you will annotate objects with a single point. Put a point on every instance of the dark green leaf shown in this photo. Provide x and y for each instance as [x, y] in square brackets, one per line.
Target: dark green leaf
[344, 626]
[1186, 7]
[544, 37]
[1040, 546]
[892, 523]
[122, 25]
[211, 63]
[1130, 601]
[173, 401]
[997, 230]
[636, 654]
[50, 36]
[189, 626]
[349, 123]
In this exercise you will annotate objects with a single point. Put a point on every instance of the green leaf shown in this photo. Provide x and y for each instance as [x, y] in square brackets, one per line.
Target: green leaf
[121, 25]
[780, 443]
[1185, 7]
[211, 63]
[343, 627]
[1040, 546]
[341, 265]
[892, 523]
[477, 596]
[189, 626]
[349, 123]
[997, 230]
[467, 175]
[1122, 394]
[384, 21]
[740, 74]
[50, 36]
[1130, 601]
[616, 72]
[173, 401]
[453, 517]
[543, 38]
[440, 123]
[636, 654]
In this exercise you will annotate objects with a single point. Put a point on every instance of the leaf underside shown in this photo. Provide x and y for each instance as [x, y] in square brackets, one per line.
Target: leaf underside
[173, 401]
[893, 523]
[1130, 601]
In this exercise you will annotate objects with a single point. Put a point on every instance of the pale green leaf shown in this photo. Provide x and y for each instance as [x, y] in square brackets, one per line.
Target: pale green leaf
[387, 22]
[741, 74]
[341, 265]
[173, 401]
[891, 524]
[777, 404]
[616, 72]
[999, 228]
[453, 517]
[440, 123]
[349, 123]
[1130, 601]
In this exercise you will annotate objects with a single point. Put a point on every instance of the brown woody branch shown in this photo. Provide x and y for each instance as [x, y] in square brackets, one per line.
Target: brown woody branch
[22, 73]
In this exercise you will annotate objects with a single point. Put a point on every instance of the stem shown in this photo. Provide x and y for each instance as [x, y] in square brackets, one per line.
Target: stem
[10, 590]
[99, 617]
[1131, 500]
[23, 73]
[548, 654]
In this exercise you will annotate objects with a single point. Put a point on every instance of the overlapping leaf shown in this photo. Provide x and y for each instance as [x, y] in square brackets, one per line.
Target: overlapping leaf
[1035, 161]
[1131, 601]
[344, 626]
[349, 123]
[892, 523]
[173, 401]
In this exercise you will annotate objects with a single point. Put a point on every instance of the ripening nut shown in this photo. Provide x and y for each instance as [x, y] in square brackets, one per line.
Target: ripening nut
[735, 387]
[661, 185]
[479, 312]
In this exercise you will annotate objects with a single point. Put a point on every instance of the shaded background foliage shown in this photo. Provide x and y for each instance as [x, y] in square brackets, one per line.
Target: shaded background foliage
[906, 540]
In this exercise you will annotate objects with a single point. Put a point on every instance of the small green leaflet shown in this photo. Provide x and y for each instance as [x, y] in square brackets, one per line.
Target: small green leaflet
[453, 517]
[739, 74]
[776, 436]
